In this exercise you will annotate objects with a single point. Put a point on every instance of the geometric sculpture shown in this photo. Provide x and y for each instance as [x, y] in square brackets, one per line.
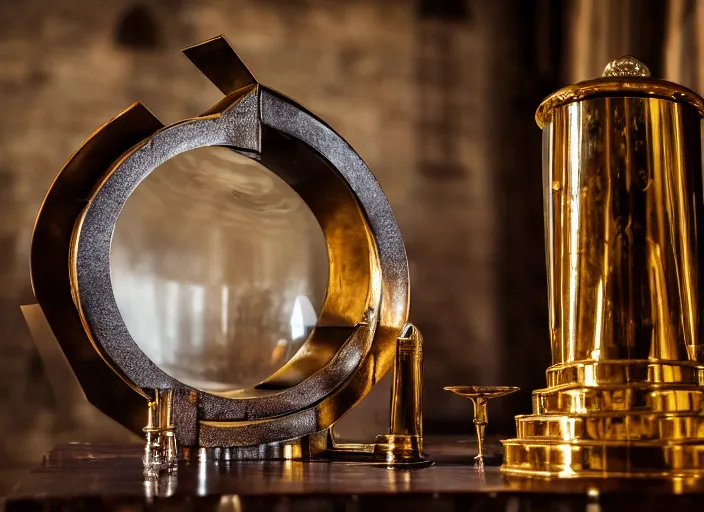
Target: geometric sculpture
[354, 343]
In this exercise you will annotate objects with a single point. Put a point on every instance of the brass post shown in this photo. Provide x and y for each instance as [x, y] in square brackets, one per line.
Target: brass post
[481, 420]
[404, 442]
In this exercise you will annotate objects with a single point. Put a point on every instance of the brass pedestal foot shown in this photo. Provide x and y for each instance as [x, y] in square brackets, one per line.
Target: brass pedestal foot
[636, 429]
[400, 450]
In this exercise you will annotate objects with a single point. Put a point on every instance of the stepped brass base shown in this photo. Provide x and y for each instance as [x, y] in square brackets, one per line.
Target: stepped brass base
[603, 421]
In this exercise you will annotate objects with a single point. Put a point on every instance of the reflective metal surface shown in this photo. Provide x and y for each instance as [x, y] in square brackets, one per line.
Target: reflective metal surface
[622, 182]
[219, 269]
[609, 87]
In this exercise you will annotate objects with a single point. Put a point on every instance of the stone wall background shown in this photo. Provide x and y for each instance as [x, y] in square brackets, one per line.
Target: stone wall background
[438, 98]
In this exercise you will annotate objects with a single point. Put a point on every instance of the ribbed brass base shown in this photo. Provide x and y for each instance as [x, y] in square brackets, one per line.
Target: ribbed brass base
[614, 429]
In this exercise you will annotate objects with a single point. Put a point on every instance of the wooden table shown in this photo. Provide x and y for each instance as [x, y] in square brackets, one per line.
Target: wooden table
[109, 477]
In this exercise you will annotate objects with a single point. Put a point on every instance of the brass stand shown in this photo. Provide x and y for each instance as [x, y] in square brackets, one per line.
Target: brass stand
[153, 455]
[402, 446]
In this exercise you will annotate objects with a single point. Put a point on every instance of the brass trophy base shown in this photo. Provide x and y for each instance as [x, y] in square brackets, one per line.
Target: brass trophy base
[585, 427]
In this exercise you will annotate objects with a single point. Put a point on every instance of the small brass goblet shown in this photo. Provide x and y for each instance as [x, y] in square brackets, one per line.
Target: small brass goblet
[480, 395]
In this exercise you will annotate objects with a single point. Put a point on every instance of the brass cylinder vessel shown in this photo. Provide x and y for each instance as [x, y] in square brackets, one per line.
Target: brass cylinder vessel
[622, 181]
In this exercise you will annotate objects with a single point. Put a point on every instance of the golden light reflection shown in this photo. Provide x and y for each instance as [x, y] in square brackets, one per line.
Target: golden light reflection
[574, 139]
[566, 461]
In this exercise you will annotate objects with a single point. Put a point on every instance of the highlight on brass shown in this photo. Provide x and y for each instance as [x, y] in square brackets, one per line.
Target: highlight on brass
[622, 183]
[322, 368]
[480, 396]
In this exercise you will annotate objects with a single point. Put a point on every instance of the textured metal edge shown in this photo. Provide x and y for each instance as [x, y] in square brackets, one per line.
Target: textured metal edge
[285, 116]
[93, 285]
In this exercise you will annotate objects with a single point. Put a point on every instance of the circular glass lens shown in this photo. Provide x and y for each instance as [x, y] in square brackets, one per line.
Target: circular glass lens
[219, 269]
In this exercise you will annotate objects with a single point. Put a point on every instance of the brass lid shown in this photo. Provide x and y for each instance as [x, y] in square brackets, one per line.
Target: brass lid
[625, 76]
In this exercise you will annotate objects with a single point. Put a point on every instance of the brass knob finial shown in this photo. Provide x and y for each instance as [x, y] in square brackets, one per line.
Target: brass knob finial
[626, 66]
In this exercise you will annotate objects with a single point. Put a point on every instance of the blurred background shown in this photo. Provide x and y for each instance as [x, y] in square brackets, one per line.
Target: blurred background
[437, 96]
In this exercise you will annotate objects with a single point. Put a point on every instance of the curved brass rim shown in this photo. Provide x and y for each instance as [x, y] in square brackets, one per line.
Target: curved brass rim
[628, 86]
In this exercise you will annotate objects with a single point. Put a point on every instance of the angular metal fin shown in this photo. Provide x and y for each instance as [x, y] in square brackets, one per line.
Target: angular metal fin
[49, 261]
[217, 60]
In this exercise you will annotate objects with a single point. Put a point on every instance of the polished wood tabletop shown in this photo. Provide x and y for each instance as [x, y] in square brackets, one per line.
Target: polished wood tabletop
[109, 477]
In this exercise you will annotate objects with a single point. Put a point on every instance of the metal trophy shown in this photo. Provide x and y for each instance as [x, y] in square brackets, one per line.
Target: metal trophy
[622, 181]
